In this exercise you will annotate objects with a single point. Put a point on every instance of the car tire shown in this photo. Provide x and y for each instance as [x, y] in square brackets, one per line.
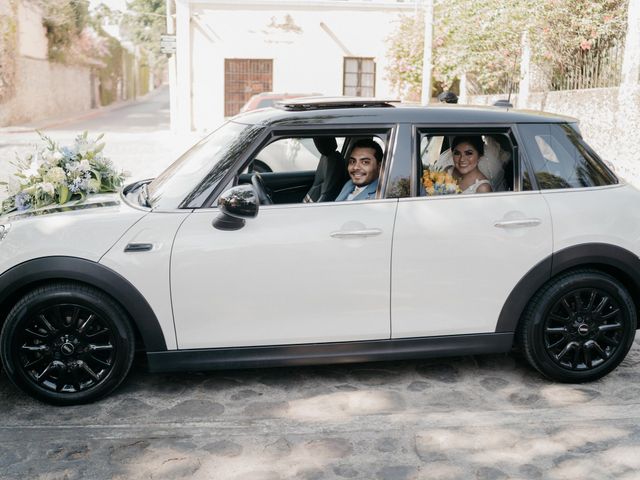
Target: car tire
[578, 327]
[67, 343]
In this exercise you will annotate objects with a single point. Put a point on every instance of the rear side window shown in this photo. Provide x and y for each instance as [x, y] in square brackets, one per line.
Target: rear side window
[560, 158]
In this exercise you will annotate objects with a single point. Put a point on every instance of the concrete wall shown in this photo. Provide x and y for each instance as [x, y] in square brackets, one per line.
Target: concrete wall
[45, 89]
[609, 120]
[42, 89]
[32, 39]
[306, 59]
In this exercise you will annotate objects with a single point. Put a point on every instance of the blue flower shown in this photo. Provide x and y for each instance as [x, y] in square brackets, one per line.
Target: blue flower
[23, 201]
[68, 153]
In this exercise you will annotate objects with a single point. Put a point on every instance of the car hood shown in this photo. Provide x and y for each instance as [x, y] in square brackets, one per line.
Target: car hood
[84, 229]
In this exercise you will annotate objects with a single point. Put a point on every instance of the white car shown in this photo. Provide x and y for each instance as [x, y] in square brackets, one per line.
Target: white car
[212, 265]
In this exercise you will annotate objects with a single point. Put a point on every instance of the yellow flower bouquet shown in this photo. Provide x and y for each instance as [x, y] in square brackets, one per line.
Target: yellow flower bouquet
[439, 182]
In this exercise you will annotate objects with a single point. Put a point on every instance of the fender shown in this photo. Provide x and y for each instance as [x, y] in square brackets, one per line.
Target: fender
[617, 261]
[86, 271]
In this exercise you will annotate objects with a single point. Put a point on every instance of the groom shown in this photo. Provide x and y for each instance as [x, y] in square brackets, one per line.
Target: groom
[364, 169]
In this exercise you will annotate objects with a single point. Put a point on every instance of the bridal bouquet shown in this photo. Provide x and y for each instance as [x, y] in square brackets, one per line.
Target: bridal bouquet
[439, 182]
[57, 175]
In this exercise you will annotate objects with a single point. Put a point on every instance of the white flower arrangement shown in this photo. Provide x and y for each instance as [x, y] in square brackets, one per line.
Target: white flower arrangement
[57, 175]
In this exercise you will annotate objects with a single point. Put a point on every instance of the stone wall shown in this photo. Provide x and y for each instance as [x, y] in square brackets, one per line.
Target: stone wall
[609, 120]
[45, 89]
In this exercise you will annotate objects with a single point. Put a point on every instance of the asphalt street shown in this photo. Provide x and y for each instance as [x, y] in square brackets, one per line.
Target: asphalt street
[484, 417]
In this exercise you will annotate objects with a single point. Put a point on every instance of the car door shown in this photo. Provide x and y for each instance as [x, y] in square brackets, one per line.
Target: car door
[456, 258]
[295, 274]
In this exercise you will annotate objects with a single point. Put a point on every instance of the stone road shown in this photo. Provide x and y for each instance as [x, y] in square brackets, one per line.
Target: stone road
[484, 417]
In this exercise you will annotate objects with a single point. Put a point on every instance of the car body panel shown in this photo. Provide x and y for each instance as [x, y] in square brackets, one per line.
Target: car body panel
[148, 270]
[453, 268]
[595, 215]
[84, 231]
[282, 278]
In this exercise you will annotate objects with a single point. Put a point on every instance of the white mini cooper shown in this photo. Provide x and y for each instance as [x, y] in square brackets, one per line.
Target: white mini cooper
[218, 264]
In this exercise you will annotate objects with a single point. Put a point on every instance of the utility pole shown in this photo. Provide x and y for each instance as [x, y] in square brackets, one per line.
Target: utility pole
[171, 65]
[427, 55]
[631, 62]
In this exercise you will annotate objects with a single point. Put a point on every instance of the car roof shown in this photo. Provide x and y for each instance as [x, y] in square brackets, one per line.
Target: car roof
[384, 111]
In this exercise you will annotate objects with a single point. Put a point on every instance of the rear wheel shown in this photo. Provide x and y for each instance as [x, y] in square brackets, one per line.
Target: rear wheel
[67, 344]
[579, 327]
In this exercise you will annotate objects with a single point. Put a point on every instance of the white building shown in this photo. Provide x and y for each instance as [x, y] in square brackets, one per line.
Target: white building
[229, 50]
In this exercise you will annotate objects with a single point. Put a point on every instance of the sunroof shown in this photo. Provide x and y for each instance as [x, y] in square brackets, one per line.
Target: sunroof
[321, 103]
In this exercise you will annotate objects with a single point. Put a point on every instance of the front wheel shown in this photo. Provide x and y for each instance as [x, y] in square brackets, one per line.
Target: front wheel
[579, 327]
[66, 344]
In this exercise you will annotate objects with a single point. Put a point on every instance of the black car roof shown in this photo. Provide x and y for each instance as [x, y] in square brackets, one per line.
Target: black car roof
[398, 113]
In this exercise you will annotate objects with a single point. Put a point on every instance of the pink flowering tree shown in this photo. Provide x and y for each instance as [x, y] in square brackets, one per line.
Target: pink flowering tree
[482, 38]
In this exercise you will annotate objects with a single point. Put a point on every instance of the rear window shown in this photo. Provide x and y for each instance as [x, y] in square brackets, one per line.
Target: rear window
[561, 159]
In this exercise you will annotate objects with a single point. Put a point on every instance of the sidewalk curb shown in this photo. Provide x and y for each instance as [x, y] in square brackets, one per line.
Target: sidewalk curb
[86, 115]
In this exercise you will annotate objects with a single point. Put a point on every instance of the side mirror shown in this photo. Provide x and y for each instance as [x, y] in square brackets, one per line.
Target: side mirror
[236, 204]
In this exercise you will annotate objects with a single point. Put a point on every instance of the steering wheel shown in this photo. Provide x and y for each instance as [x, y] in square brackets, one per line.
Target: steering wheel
[264, 195]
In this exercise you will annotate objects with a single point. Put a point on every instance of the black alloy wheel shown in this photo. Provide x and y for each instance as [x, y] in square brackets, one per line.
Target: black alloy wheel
[67, 344]
[579, 327]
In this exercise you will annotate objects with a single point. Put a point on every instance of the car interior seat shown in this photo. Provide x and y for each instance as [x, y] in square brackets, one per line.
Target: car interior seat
[331, 173]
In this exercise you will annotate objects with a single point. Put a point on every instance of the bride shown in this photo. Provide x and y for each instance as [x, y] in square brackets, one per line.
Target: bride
[466, 152]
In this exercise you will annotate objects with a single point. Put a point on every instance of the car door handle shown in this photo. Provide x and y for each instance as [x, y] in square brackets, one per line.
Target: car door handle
[368, 232]
[521, 222]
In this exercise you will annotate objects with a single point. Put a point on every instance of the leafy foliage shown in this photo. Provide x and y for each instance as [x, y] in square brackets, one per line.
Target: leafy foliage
[143, 23]
[8, 46]
[406, 46]
[482, 38]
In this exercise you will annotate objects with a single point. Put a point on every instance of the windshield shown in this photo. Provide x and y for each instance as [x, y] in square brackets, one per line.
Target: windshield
[208, 160]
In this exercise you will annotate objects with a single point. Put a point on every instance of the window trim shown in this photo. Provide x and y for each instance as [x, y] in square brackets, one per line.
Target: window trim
[471, 129]
[274, 133]
[615, 180]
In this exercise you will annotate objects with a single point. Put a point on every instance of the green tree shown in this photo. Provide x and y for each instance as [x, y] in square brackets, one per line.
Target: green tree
[143, 23]
[64, 21]
[482, 38]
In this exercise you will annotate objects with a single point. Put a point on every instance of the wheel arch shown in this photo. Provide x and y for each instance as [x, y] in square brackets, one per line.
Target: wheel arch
[616, 261]
[26, 276]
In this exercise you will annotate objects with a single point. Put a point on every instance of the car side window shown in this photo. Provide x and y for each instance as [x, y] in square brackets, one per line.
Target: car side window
[458, 162]
[289, 155]
[561, 159]
[312, 168]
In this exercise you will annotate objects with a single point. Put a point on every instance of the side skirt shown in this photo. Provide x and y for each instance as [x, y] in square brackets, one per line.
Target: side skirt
[327, 353]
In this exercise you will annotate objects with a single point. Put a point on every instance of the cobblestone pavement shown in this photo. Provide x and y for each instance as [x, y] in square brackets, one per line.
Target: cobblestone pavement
[484, 417]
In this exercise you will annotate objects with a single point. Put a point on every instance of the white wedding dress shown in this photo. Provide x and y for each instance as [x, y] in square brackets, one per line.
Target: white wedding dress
[473, 188]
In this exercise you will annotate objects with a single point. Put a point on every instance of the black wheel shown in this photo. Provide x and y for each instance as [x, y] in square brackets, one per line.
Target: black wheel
[67, 344]
[578, 327]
